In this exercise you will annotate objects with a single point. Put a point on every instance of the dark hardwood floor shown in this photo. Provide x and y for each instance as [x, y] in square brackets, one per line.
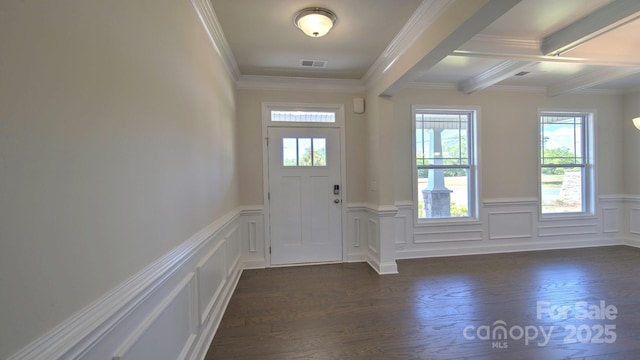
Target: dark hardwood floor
[441, 308]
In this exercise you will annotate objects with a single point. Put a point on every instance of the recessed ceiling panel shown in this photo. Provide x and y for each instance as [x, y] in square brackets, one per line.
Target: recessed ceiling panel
[264, 40]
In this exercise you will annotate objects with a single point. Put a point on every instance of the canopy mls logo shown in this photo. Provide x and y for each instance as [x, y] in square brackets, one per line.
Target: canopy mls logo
[499, 333]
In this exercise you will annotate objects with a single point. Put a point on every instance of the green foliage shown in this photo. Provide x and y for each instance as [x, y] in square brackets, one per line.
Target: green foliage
[459, 210]
[319, 158]
[561, 155]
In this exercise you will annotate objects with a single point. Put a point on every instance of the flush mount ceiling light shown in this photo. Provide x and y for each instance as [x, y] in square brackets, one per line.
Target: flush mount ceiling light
[315, 22]
[636, 122]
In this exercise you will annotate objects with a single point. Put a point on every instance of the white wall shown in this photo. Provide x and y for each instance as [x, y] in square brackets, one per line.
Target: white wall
[116, 145]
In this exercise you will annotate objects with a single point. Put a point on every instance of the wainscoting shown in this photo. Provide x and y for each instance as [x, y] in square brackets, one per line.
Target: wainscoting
[504, 225]
[181, 298]
[169, 310]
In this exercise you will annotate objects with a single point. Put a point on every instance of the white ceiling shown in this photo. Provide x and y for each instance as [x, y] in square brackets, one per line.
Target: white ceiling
[264, 43]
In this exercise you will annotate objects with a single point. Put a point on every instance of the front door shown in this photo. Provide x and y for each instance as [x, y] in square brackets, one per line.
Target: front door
[305, 195]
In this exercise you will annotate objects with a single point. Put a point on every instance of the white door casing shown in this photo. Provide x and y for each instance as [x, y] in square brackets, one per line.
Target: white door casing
[305, 212]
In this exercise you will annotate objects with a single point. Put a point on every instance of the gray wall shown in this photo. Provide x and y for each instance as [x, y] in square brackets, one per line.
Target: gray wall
[116, 145]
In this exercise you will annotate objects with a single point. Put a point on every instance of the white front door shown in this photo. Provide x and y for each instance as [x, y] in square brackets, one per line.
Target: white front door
[305, 195]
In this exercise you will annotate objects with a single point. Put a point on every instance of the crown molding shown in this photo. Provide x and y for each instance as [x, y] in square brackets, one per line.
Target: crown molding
[418, 23]
[284, 83]
[208, 17]
[481, 45]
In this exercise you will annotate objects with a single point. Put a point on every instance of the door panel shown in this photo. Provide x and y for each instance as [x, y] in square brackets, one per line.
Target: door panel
[305, 214]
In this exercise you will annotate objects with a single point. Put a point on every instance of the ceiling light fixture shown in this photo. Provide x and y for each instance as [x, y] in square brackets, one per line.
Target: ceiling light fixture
[636, 122]
[314, 21]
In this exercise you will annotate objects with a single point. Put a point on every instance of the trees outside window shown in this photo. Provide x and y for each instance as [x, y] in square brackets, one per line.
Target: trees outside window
[445, 163]
[565, 162]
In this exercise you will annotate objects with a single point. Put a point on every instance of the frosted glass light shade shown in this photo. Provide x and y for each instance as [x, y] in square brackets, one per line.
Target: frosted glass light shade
[636, 122]
[315, 22]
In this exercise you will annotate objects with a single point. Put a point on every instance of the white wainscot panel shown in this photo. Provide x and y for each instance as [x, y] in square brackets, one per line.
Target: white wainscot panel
[372, 236]
[634, 221]
[355, 234]
[169, 331]
[232, 244]
[400, 229]
[439, 236]
[610, 220]
[567, 229]
[252, 235]
[212, 276]
[510, 225]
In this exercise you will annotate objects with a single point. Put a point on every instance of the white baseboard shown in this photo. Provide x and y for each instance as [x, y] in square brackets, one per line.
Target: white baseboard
[632, 242]
[503, 248]
[254, 264]
[352, 258]
[387, 268]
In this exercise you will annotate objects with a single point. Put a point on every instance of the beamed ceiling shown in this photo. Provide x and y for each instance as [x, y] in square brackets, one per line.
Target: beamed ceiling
[558, 47]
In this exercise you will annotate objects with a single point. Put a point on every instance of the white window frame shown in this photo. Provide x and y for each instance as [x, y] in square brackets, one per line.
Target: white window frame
[473, 134]
[589, 166]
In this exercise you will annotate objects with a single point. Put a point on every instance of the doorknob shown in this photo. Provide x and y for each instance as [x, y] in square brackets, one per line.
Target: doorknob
[337, 201]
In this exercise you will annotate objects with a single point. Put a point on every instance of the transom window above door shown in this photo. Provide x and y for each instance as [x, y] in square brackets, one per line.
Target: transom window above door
[303, 116]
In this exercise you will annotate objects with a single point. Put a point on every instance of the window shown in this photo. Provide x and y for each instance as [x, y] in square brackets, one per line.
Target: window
[304, 152]
[444, 157]
[565, 166]
[303, 116]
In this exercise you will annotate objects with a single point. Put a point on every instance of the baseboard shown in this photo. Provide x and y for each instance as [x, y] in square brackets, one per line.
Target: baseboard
[387, 268]
[632, 242]
[504, 248]
[254, 264]
[352, 258]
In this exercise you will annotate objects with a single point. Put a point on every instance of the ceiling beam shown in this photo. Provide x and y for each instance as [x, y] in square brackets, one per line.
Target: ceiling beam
[605, 19]
[458, 23]
[591, 79]
[494, 75]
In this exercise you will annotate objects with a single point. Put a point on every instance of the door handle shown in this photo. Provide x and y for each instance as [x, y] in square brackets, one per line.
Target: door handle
[337, 201]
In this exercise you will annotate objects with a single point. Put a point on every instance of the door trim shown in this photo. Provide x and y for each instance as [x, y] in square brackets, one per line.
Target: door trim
[267, 107]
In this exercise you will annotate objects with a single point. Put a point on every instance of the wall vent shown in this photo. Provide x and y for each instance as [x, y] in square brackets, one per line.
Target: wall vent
[313, 63]
[522, 73]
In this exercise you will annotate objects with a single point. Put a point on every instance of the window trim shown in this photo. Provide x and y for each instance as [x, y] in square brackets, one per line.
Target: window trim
[589, 194]
[473, 136]
[268, 107]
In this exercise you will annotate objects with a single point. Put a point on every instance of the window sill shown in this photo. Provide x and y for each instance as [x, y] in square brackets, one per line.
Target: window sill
[447, 222]
[567, 216]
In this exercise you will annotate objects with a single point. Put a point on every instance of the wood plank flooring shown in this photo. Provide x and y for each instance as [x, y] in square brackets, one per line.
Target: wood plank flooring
[347, 311]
